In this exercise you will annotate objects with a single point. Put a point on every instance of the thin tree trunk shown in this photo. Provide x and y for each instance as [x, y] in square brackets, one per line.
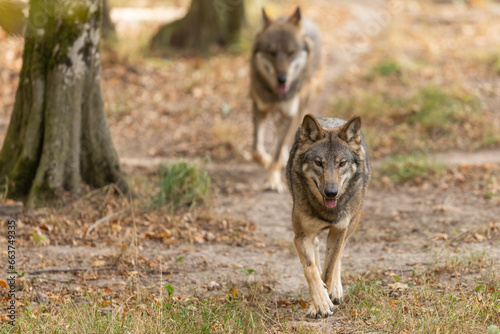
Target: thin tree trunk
[108, 27]
[58, 135]
[206, 23]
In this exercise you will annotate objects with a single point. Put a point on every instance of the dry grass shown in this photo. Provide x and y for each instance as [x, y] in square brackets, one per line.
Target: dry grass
[424, 301]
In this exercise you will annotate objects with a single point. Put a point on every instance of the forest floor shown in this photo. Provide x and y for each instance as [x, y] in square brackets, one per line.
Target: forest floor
[424, 77]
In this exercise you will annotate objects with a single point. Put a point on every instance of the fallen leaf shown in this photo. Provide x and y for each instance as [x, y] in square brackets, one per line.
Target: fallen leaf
[283, 303]
[441, 236]
[393, 303]
[46, 227]
[159, 235]
[303, 303]
[199, 238]
[98, 263]
[3, 283]
[398, 286]
[479, 237]
[39, 238]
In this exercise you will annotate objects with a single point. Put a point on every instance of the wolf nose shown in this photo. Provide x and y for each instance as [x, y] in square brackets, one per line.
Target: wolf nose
[281, 79]
[331, 193]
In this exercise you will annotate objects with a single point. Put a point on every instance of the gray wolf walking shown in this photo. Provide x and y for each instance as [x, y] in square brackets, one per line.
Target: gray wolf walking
[286, 74]
[328, 174]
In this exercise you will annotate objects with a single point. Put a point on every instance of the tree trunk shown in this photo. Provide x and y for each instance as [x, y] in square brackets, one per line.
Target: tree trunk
[108, 27]
[206, 23]
[58, 134]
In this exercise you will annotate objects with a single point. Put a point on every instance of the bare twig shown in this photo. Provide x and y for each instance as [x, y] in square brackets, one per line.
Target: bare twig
[72, 270]
[103, 220]
[54, 280]
[69, 270]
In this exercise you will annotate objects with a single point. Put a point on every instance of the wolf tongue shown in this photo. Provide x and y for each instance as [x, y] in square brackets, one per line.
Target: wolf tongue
[282, 89]
[330, 203]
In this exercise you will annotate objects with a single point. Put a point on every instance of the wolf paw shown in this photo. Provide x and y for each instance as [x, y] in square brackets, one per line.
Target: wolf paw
[321, 306]
[335, 300]
[262, 158]
[274, 182]
[336, 294]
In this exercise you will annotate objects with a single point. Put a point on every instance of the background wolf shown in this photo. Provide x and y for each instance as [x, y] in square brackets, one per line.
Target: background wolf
[285, 76]
[328, 173]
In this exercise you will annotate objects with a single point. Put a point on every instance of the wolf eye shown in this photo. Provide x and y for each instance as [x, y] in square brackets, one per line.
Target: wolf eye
[318, 163]
[342, 163]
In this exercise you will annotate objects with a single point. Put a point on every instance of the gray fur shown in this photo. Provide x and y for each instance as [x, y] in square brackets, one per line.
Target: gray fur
[327, 153]
[277, 39]
[286, 77]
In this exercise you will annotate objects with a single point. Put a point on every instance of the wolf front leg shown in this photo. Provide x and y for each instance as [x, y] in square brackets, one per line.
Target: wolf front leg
[284, 126]
[321, 305]
[338, 239]
[259, 154]
[333, 259]
[316, 254]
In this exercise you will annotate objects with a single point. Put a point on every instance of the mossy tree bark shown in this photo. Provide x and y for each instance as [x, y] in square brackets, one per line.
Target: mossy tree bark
[58, 136]
[206, 23]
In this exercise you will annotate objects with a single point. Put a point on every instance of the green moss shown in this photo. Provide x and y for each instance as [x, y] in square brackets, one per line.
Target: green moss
[21, 177]
[62, 23]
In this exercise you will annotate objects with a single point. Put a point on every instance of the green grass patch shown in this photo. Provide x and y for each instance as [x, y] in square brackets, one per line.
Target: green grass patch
[435, 109]
[183, 184]
[428, 118]
[403, 168]
[144, 315]
[385, 68]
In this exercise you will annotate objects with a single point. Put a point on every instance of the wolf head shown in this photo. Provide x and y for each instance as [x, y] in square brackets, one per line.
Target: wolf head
[281, 52]
[330, 158]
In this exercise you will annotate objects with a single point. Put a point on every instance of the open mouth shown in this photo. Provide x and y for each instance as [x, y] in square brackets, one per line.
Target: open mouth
[282, 89]
[330, 203]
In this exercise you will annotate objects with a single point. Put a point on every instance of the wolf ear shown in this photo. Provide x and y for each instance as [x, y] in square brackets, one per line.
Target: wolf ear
[311, 130]
[351, 131]
[295, 18]
[266, 18]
